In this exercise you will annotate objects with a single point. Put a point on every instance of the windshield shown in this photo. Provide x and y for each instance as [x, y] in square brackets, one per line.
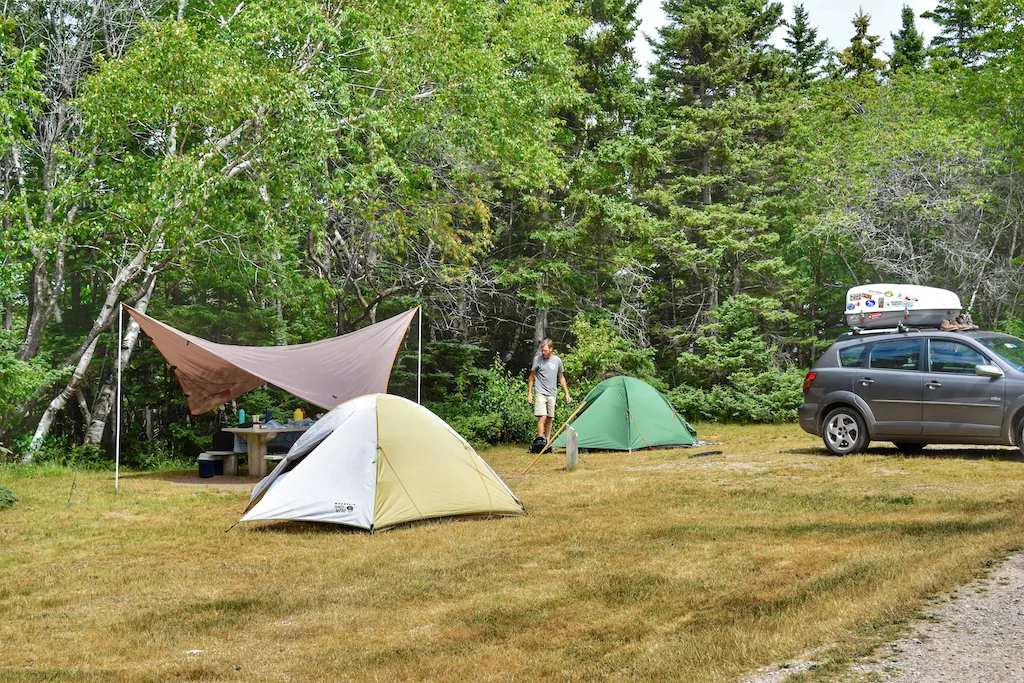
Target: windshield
[1006, 347]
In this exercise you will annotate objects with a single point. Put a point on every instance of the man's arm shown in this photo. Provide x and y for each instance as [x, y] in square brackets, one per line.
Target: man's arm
[529, 387]
[565, 387]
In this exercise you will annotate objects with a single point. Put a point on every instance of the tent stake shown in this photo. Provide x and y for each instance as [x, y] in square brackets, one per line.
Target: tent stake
[548, 444]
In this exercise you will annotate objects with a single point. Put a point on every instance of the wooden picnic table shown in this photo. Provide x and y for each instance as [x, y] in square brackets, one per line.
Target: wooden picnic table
[257, 439]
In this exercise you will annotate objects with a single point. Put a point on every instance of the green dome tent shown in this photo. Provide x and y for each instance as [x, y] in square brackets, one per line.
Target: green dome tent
[625, 414]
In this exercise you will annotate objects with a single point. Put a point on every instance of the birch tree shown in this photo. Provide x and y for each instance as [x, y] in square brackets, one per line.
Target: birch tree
[200, 128]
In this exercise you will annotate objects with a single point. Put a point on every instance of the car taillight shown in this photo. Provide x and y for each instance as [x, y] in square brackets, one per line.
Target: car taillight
[809, 380]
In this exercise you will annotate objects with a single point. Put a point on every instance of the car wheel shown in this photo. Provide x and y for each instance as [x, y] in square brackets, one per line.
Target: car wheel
[1020, 436]
[843, 431]
[909, 447]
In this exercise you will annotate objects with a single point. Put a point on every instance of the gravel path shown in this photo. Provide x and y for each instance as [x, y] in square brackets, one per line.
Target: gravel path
[975, 637]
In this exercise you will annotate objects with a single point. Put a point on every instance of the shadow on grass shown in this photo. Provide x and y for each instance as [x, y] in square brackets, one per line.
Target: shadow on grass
[290, 527]
[192, 477]
[944, 452]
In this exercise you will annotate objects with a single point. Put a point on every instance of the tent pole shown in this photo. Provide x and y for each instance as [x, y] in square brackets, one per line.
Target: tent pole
[117, 422]
[419, 357]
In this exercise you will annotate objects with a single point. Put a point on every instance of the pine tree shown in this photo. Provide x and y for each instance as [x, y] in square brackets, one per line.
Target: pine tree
[962, 25]
[908, 45]
[859, 57]
[806, 52]
[718, 83]
[569, 246]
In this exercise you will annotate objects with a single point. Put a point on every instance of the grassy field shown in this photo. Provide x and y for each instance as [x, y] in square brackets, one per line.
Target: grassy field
[651, 566]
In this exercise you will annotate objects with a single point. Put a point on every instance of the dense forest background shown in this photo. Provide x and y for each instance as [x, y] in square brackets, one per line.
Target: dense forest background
[281, 172]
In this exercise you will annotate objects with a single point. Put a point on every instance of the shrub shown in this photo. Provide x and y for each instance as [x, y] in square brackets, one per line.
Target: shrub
[771, 397]
[601, 352]
[491, 408]
[7, 498]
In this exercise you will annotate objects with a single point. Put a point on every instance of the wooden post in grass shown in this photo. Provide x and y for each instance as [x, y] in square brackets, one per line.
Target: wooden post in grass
[548, 444]
[572, 449]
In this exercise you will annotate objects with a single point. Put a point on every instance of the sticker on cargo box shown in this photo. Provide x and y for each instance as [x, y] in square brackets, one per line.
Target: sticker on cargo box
[850, 307]
[870, 303]
[874, 316]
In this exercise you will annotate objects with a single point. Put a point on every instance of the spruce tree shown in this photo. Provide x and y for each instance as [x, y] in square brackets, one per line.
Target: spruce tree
[908, 45]
[719, 83]
[569, 246]
[806, 52]
[961, 26]
[859, 56]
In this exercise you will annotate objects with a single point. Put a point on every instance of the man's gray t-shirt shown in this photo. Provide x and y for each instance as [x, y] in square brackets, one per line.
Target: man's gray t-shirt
[546, 379]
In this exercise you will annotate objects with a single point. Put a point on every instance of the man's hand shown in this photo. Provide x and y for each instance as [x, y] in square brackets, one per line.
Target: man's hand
[529, 398]
[568, 398]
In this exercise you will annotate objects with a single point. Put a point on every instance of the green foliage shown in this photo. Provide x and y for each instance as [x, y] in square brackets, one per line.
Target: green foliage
[908, 45]
[59, 452]
[1012, 325]
[492, 408]
[601, 352]
[733, 373]
[962, 25]
[20, 379]
[766, 397]
[858, 59]
[806, 53]
[7, 498]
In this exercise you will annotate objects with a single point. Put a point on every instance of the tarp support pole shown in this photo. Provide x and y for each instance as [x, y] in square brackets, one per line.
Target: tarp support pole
[419, 357]
[117, 421]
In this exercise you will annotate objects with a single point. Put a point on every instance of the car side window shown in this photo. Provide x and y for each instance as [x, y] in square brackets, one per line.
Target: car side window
[904, 354]
[852, 356]
[954, 357]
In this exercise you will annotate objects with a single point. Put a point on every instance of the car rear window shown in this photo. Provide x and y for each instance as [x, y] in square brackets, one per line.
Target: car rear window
[904, 354]
[852, 356]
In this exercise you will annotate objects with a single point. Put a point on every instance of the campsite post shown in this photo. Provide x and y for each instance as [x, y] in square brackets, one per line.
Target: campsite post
[419, 356]
[117, 438]
[548, 445]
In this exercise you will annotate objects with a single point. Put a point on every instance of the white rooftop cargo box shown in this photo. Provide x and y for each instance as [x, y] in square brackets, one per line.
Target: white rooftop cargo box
[881, 305]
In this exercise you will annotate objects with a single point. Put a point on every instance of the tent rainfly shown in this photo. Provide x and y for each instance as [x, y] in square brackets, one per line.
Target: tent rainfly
[626, 414]
[325, 373]
[377, 461]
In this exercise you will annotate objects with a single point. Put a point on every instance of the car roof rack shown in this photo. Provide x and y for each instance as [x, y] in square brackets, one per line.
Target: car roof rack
[859, 332]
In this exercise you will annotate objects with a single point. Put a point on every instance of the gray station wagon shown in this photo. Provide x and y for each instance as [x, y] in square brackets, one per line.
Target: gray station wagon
[917, 387]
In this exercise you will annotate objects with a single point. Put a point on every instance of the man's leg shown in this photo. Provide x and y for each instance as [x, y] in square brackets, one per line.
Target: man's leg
[540, 425]
[547, 427]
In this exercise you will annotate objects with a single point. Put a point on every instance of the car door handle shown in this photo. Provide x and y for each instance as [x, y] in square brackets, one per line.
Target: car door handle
[866, 381]
[933, 384]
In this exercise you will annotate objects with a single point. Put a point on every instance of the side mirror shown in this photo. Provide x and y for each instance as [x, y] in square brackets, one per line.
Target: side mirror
[988, 371]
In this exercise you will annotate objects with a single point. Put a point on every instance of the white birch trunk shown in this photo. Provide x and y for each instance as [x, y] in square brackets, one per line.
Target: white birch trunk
[107, 396]
[86, 351]
[59, 401]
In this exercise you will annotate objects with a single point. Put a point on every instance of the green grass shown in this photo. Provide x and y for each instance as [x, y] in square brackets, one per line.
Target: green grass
[650, 565]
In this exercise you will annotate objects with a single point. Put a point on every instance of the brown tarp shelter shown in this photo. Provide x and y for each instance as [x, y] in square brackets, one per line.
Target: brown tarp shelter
[325, 373]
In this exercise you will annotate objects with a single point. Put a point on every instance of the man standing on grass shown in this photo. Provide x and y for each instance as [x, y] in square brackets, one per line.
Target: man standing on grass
[549, 373]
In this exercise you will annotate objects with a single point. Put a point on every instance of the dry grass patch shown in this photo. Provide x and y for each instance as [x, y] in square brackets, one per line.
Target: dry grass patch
[651, 565]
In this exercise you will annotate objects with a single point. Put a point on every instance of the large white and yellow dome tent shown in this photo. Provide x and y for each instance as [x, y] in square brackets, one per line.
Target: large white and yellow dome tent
[376, 461]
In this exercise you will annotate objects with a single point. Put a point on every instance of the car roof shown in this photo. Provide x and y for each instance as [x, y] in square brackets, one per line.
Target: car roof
[852, 339]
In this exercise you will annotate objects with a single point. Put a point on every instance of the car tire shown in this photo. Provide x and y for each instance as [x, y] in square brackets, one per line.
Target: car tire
[909, 447]
[843, 431]
[1020, 436]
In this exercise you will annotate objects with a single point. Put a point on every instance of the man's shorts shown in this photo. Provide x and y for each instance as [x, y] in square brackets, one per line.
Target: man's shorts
[543, 406]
